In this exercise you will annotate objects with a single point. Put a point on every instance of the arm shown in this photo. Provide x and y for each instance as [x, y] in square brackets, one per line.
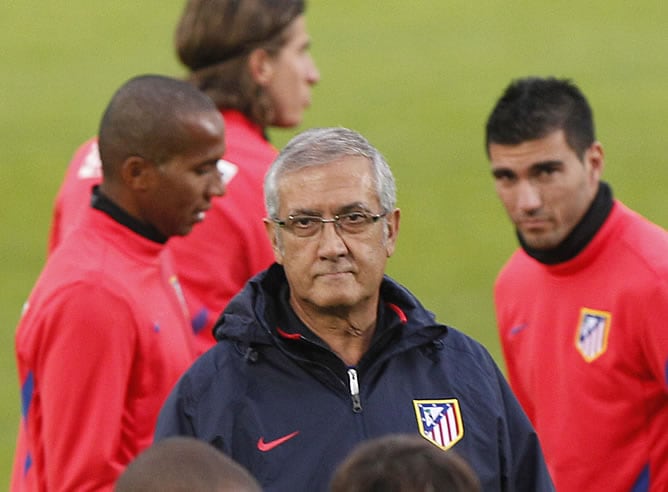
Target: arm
[82, 374]
[174, 419]
[652, 311]
[524, 465]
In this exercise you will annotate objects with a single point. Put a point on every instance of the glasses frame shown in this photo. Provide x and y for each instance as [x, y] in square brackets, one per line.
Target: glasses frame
[286, 223]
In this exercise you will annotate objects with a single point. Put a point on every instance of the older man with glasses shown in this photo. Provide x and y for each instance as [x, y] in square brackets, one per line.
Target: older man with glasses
[323, 351]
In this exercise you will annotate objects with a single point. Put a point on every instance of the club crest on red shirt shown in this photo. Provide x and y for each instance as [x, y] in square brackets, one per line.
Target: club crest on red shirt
[591, 337]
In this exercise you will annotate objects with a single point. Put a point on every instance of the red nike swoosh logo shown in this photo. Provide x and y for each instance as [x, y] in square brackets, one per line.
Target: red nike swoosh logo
[268, 446]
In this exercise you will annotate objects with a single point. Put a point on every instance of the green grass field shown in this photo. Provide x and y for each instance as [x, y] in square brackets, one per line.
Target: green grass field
[417, 78]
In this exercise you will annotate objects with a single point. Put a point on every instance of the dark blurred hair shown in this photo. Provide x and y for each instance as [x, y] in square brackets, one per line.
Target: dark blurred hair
[184, 464]
[147, 117]
[532, 107]
[403, 463]
[214, 38]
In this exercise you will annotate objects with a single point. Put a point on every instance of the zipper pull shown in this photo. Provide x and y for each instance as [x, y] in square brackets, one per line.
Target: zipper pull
[354, 390]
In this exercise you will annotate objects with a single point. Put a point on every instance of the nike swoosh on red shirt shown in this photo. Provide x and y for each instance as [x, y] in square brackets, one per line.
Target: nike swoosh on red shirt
[268, 446]
[518, 328]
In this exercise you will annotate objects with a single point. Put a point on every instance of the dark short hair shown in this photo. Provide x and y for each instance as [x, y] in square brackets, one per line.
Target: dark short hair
[533, 107]
[214, 38]
[403, 463]
[147, 117]
[182, 463]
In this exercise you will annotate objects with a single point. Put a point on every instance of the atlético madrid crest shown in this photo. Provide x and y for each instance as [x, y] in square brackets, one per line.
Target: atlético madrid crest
[591, 338]
[439, 421]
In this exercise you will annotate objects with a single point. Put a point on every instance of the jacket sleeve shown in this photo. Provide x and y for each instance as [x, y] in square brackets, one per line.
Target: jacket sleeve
[651, 312]
[174, 419]
[82, 373]
[523, 462]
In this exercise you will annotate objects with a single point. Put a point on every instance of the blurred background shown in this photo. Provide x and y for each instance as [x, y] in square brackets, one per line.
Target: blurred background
[418, 79]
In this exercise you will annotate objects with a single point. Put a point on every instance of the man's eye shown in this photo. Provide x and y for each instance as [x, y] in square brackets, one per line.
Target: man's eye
[504, 177]
[354, 218]
[206, 169]
[303, 222]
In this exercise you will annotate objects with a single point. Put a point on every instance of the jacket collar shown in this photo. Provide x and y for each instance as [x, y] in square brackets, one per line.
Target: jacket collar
[255, 314]
[103, 203]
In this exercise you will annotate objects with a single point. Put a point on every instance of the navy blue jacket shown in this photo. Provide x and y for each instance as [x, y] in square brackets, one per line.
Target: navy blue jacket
[282, 404]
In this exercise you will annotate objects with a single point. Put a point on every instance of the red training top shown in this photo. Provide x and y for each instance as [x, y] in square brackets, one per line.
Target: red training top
[103, 338]
[586, 346]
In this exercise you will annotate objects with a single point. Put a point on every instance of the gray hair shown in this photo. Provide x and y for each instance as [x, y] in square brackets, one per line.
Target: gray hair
[319, 146]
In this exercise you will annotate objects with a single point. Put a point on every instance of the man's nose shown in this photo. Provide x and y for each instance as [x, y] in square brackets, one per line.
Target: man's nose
[528, 196]
[216, 185]
[313, 74]
[331, 241]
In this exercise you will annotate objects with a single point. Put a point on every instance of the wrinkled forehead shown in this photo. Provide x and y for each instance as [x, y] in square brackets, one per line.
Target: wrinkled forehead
[329, 186]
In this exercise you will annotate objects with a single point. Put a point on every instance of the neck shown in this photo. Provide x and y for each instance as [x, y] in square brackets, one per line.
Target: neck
[348, 332]
[112, 206]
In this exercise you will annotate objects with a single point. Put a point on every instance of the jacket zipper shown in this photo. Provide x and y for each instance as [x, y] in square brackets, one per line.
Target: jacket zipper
[354, 390]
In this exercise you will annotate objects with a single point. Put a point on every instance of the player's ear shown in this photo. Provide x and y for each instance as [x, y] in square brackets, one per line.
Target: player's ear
[595, 159]
[138, 173]
[594, 162]
[261, 66]
[391, 230]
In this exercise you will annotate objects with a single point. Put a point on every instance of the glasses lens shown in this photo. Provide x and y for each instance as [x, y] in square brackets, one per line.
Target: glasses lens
[351, 223]
[355, 221]
[303, 225]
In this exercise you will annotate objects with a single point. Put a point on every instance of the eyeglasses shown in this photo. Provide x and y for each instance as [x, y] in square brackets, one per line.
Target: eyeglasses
[310, 225]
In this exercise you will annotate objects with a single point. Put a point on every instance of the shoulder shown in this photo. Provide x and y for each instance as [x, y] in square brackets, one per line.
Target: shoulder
[76, 266]
[468, 351]
[462, 348]
[85, 167]
[633, 254]
[245, 142]
[515, 272]
[645, 240]
[86, 160]
[214, 374]
[474, 375]
[87, 266]
[518, 260]
[78, 312]
[92, 253]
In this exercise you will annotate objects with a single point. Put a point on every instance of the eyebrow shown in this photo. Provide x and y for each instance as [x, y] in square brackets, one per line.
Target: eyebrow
[534, 168]
[500, 172]
[341, 210]
[547, 164]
